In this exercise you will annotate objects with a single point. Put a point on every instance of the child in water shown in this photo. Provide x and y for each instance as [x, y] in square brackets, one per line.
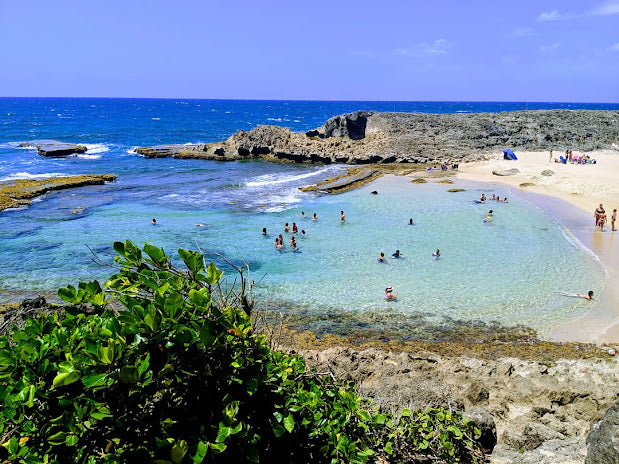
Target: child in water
[381, 258]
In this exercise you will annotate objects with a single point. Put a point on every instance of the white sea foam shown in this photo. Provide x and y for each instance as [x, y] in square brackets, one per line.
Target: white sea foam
[275, 119]
[87, 156]
[96, 148]
[26, 175]
[156, 119]
[131, 151]
[271, 179]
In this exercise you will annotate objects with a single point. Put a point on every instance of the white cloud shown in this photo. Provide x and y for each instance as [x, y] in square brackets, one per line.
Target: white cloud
[549, 49]
[552, 16]
[438, 47]
[615, 48]
[606, 9]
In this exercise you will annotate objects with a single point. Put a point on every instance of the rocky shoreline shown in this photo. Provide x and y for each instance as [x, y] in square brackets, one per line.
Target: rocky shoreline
[371, 138]
[20, 192]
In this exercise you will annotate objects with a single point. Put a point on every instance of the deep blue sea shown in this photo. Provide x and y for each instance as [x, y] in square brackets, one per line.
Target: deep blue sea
[497, 271]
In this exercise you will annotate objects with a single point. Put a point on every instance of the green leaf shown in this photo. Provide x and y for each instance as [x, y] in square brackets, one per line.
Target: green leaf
[223, 433]
[71, 440]
[119, 247]
[57, 439]
[213, 274]
[66, 378]
[152, 319]
[173, 304]
[178, 452]
[217, 447]
[13, 445]
[200, 298]
[94, 380]
[68, 294]
[155, 253]
[289, 423]
[200, 452]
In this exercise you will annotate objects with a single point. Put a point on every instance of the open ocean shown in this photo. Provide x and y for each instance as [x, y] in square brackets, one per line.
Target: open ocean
[510, 270]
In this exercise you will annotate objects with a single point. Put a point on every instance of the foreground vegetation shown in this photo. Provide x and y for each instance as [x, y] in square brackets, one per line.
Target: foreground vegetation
[162, 365]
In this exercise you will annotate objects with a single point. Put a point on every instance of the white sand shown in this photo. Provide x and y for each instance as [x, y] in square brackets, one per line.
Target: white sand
[584, 186]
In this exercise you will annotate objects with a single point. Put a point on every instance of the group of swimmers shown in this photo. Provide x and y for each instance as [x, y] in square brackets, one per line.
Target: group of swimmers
[494, 197]
[600, 218]
[279, 240]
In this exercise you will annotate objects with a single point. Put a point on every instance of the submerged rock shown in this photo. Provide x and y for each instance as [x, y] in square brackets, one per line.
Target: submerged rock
[506, 172]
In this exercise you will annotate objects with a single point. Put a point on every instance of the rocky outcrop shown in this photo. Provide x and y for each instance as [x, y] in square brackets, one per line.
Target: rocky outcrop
[542, 410]
[603, 441]
[345, 182]
[53, 148]
[370, 138]
[19, 193]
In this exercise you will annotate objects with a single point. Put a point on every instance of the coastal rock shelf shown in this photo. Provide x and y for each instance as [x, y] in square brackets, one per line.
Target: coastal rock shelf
[54, 148]
[19, 193]
[370, 138]
[340, 184]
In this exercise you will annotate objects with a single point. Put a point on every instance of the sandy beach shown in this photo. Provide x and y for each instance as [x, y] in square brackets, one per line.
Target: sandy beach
[585, 187]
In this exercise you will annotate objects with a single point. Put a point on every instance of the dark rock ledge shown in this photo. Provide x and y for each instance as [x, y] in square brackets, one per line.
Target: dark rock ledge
[53, 148]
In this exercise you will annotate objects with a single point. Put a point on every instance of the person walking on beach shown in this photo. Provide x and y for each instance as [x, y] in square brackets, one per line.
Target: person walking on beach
[342, 216]
[613, 218]
[599, 210]
[550, 160]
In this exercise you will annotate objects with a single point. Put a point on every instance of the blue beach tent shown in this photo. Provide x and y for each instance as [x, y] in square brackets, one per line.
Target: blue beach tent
[509, 155]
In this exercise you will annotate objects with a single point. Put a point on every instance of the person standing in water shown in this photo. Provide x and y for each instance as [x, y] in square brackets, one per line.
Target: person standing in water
[613, 218]
[294, 228]
[596, 214]
[389, 295]
[154, 222]
[410, 222]
[314, 217]
[342, 216]
[264, 231]
[437, 254]
[381, 258]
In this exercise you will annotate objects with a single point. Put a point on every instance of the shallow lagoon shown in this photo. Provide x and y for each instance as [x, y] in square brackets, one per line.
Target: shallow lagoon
[509, 270]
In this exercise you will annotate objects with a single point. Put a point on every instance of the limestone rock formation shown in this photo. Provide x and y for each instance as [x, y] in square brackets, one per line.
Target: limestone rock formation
[506, 172]
[369, 138]
[53, 148]
[603, 440]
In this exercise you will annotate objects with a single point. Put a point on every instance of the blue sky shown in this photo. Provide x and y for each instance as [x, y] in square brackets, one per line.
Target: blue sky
[542, 50]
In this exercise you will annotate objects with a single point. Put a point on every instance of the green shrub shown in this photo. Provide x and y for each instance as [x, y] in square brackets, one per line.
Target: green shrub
[151, 369]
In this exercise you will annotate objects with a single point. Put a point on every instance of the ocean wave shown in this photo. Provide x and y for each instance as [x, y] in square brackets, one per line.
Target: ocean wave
[275, 119]
[87, 156]
[271, 179]
[26, 175]
[156, 119]
[96, 148]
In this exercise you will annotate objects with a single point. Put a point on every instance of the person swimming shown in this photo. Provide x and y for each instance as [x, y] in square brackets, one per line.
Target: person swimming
[381, 258]
[314, 217]
[154, 222]
[396, 254]
[588, 296]
[302, 214]
[389, 295]
[303, 232]
[436, 254]
[264, 231]
[505, 200]
[374, 192]
[490, 213]
[410, 222]
[482, 199]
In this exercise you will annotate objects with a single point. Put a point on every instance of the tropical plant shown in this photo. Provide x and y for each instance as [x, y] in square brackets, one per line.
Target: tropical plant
[159, 366]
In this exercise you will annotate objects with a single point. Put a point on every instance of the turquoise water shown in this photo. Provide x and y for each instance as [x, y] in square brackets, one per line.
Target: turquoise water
[509, 270]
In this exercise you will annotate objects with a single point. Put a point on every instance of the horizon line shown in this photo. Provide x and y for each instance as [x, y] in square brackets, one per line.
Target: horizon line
[316, 101]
